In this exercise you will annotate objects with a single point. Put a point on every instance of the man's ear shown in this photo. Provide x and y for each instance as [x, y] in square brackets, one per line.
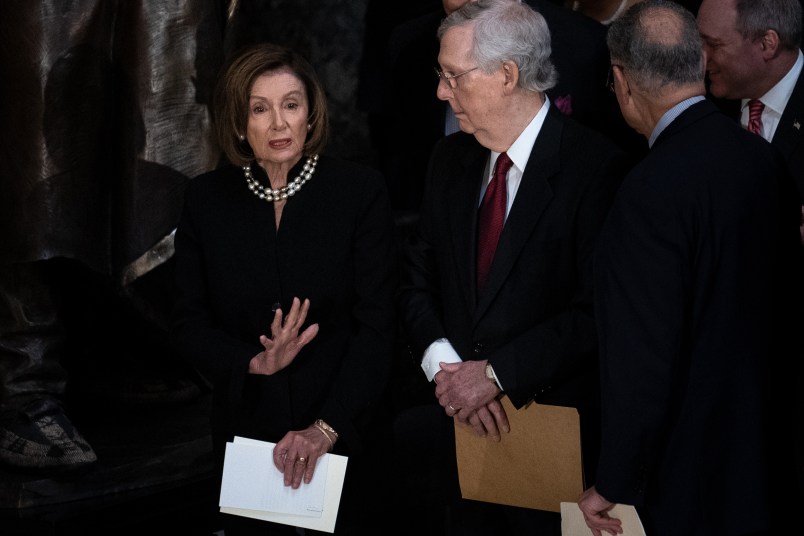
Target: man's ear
[769, 44]
[621, 86]
[511, 74]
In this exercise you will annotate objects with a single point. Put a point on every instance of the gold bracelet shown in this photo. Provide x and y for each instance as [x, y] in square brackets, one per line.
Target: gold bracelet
[326, 427]
[331, 444]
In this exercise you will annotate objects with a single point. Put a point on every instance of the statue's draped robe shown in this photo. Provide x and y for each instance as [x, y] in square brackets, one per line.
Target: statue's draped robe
[105, 119]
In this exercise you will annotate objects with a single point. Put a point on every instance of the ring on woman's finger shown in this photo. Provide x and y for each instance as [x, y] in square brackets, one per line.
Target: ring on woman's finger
[452, 408]
[302, 460]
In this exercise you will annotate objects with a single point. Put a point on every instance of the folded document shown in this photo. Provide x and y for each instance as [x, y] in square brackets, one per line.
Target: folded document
[253, 487]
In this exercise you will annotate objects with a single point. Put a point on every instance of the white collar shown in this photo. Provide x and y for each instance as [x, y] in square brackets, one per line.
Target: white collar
[776, 99]
[520, 150]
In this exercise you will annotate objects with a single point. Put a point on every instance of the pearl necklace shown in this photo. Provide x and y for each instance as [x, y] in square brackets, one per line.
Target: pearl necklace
[269, 194]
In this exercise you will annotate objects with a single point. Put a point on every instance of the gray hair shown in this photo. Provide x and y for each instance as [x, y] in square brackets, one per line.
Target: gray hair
[508, 30]
[755, 17]
[657, 56]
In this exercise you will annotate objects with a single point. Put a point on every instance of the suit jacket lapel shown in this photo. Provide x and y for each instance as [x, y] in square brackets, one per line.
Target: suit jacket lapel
[532, 199]
[790, 132]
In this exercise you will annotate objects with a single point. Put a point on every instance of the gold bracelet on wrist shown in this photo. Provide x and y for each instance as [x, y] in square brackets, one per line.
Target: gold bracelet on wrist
[325, 426]
[331, 444]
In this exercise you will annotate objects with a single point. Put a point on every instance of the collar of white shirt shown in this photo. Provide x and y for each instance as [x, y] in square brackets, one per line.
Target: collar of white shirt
[519, 153]
[775, 100]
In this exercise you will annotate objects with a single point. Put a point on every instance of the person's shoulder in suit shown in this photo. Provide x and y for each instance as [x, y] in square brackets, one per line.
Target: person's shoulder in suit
[576, 131]
[705, 124]
[579, 49]
[586, 148]
[703, 145]
[789, 130]
[581, 57]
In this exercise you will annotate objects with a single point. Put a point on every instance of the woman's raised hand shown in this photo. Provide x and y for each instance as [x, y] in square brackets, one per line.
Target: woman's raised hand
[285, 342]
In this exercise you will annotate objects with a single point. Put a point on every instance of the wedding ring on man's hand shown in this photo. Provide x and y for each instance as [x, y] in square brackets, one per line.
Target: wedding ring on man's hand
[453, 409]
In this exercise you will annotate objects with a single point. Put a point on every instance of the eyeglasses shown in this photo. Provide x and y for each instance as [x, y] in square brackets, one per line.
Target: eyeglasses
[450, 80]
[610, 77]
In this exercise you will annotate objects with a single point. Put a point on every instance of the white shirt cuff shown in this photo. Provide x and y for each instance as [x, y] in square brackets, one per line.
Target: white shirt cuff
[440, 351]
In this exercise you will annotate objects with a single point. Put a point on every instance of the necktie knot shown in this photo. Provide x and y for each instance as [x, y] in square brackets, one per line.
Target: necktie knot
[755, 108]
[491, 218]
[501, 166]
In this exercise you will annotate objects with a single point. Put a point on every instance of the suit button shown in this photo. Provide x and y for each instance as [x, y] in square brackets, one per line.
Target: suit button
[477, 348]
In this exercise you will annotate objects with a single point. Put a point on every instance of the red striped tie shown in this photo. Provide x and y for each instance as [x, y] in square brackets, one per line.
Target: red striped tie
[491, 218]
[755, 108]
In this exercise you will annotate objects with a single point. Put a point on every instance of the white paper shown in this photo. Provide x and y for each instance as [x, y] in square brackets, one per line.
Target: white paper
[251, 481]
[253, 487]
[573, 524]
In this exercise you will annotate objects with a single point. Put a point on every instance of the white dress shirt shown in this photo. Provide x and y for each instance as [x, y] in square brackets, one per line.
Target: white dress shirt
[775, 100]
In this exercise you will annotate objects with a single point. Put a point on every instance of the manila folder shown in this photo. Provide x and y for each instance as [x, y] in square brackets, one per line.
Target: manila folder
[536, 465]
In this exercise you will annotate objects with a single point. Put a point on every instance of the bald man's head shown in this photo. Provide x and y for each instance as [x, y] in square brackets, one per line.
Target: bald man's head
[658, 45]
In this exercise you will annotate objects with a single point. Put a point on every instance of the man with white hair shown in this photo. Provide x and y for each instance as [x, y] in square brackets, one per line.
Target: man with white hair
[497, 291]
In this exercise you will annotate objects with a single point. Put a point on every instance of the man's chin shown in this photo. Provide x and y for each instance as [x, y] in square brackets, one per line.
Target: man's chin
[466, 127]
[719, 90]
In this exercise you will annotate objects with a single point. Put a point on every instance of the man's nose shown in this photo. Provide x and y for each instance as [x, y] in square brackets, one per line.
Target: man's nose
[443, 91]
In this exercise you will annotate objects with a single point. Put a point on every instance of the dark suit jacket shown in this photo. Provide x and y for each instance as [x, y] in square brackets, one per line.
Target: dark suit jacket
[581, 57]
[335, 246]
[414, 117]
[695, 258]
[533, 321]
[789, 135]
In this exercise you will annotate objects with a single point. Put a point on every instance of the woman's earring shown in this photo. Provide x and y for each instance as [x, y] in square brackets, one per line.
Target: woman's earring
[309, 126]
[242, 138]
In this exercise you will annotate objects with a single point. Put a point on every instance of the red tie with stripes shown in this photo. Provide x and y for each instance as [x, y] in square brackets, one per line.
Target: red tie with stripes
[491, 218]
[755, 108]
